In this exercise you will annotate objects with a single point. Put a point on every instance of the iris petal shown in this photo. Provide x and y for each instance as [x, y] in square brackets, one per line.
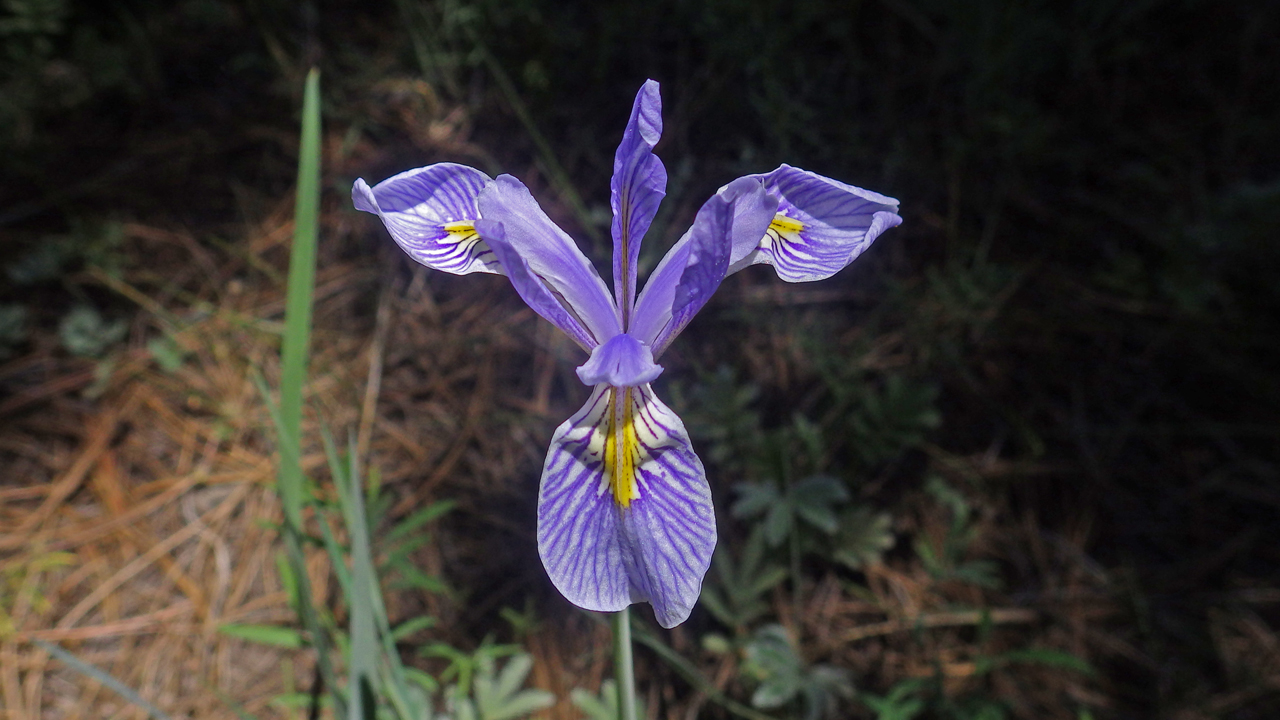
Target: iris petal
[530, 287]
[692, 270]
[820, 227]
[430, 212]
[624, 511]
[638, 185]
[551, 255]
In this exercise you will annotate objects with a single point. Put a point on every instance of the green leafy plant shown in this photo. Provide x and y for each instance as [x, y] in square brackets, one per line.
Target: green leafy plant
[87, 244]
[948, 561]
[463, 666]
[602, 706]
[402, 540]
[522, 622]
[902, 702]
[84, 332]
[497, 694]
[812, 501]
[274, 635]
[862, 538]
[737, 590]
[783, 677]
[782, 511]
[1044, 657]
[718, 410]
[892, 419]
[168, 353]
[377, 678]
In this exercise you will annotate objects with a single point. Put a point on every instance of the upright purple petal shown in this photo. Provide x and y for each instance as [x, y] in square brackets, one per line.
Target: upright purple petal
[638, 186]
[530, 288]
[430, 213]
[692, 270]
[551, 255]
[820, 227]
[624, 511]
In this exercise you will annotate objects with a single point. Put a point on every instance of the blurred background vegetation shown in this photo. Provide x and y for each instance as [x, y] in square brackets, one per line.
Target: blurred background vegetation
[1022, 459]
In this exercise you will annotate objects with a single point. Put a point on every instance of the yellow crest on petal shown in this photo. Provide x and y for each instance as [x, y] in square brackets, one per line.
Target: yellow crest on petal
[622, 449]
[460, 231]
[784, 226]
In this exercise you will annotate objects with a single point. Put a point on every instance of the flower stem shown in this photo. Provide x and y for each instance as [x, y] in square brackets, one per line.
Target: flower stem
[623, 667]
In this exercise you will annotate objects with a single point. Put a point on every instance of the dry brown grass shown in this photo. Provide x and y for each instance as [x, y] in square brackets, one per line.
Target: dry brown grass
[134, 516]
[137, 506]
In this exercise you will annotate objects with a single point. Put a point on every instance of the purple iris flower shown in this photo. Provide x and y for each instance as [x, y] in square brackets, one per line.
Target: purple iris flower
[624, 510]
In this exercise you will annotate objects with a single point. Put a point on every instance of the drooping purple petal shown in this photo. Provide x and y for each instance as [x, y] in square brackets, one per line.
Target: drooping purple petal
[638, 186]
[430, 212]
[610, 538]
[820, 227]
[530, 288]
[692, 270]
[622, 361]
[551, 255]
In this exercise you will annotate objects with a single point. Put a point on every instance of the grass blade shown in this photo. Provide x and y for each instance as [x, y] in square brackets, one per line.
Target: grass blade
[293, 369]
[364, 635]
[297, 314]
[103, 677]
[369, 622]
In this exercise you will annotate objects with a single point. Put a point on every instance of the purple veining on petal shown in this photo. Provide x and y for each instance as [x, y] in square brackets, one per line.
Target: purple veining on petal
[530, 288]
[551, 254]
[671, 528]
[822, 225]
[578, 520]
[622, 361]
[417, 205]
[602, 556]
[638, 185]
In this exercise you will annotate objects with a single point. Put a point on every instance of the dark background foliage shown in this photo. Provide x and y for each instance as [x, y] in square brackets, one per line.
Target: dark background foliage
[1085, 276]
